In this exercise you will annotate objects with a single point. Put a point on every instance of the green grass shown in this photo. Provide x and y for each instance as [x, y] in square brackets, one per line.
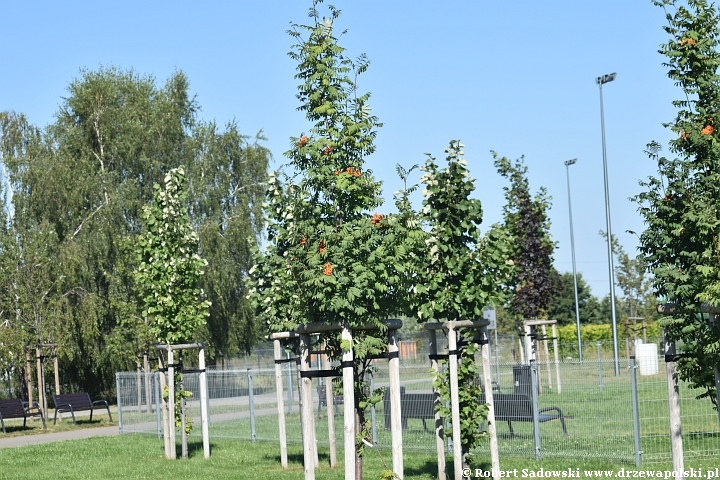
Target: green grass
[141, 456]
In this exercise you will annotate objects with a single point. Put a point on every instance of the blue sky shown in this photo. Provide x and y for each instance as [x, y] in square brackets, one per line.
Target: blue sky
[514, 77]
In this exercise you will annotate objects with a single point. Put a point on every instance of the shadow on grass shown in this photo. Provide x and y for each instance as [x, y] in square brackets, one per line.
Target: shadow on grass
[429, 468]
[299, 458]
[704, 434]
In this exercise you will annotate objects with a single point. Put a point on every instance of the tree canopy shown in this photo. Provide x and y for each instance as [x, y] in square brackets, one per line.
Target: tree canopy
[78, 190]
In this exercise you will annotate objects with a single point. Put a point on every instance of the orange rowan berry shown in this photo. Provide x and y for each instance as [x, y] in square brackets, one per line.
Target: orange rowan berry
[322, 247]
[327, 269]
[376, 219]
[708, 130]
[303, 141]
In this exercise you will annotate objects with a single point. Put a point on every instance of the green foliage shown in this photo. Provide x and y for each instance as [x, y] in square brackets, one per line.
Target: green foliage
[169, 266]
[169, 269]
[680, 206]
[527, 222]
[567, 335]
[562, 308]
[464, 271]
[330, 256]
[78, 189]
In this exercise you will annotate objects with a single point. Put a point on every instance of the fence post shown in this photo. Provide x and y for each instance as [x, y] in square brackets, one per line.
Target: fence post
[251, 401]
[119, 402]
[636, 411]
[535, 410]
[716, 370]
[600, 385]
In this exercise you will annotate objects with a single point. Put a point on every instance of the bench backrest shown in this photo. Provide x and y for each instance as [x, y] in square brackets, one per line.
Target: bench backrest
[418, 405]
[77, 400]
[12, 408]
[512, 405]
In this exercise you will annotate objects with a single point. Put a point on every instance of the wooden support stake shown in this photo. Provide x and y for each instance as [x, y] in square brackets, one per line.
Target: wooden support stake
[349, 405]
[57, 372]
[330, 403]
[676, 443]
[139, 386]
[146, 369]
[28, 378]
[492, 432]
[455, 403]
[171, 402]
[557, 360]
[395, 412]
[280, 404]
[547, 356]
[439, 427]
[306, 412]
[204, 408]
[41, 381]
[164, 408]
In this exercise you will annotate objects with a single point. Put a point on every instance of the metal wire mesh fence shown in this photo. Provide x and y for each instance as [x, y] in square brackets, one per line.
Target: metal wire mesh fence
[595, 406]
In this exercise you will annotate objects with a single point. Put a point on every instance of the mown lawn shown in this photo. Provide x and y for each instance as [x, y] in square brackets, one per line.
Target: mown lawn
[141, 456]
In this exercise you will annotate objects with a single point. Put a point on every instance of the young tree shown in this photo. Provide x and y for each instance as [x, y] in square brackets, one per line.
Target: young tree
[169, 266]
[464, 272]
[526, 219]
[680, 206]
[168, 273]
[331, 257]
[562, 308]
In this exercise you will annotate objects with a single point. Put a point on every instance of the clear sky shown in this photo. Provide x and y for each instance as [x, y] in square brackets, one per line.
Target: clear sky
[514, 77]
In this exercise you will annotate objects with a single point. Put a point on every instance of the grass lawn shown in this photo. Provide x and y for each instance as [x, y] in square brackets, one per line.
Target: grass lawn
[141, 456]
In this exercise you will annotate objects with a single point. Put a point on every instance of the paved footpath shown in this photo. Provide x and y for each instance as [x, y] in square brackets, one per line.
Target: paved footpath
[58, 437]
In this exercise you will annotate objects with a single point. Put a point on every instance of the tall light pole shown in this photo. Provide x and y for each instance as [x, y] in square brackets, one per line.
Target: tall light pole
[601, 81]
[572, 249]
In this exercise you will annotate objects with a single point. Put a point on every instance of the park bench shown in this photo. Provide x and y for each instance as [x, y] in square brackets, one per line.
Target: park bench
[13, 408]
[75, 402]
[516, 407]
[419, 405]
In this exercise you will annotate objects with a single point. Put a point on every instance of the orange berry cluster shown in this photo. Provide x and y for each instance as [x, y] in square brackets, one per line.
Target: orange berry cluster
[322, 247]
[708, 130]
[327, 269]
[376, 219]
[303, 141]
[687, 41]
[355, 172]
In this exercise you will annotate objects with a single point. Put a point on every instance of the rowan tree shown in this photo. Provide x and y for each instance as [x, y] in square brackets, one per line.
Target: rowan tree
[331, 255]
[680, 205]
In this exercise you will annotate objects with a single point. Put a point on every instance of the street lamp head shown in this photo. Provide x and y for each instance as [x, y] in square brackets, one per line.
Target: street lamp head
[606, 78]
[570, 162]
